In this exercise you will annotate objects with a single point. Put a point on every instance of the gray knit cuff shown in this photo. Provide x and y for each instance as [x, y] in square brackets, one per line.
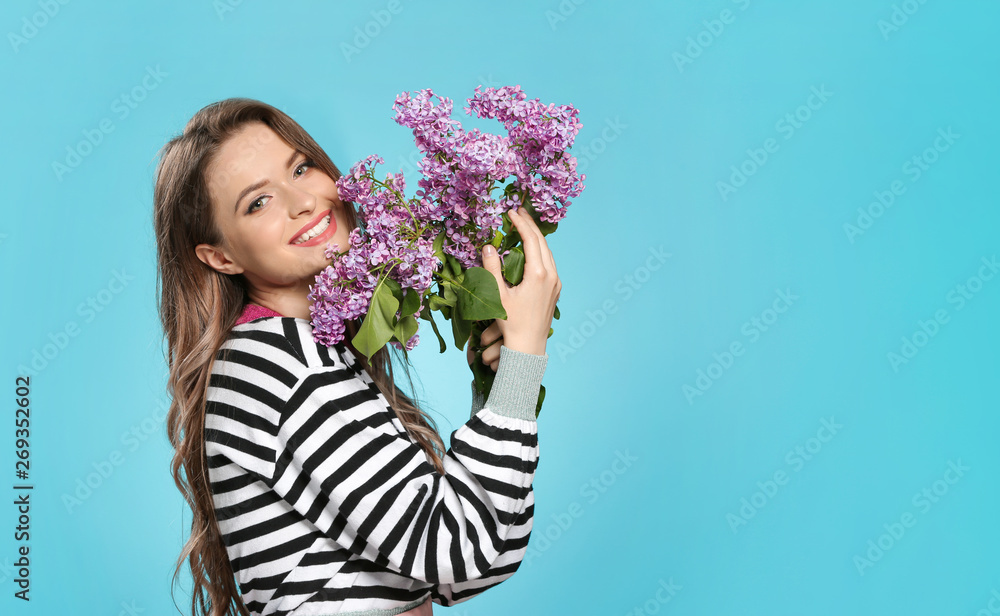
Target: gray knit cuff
[517, 383]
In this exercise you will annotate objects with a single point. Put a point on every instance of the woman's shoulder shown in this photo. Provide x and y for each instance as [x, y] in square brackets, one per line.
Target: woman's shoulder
[285, 339]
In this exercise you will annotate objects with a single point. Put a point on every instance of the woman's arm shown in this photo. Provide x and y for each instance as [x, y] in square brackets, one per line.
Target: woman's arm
[506, 564]
[342, 464]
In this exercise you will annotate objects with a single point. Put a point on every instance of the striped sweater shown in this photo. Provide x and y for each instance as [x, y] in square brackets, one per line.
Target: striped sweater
[326, 505]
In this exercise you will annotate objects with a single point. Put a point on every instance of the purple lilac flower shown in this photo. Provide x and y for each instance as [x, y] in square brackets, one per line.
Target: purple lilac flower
[540, 135]
[395, 234]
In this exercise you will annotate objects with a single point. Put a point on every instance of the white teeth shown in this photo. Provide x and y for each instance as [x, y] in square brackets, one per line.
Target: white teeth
[316, 230]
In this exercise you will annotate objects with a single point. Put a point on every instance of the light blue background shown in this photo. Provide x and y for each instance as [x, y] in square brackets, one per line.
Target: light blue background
[656, 140]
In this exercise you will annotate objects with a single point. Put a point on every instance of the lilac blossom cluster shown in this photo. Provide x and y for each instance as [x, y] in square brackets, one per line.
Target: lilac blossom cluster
[539, 135]
[381, 242]
[395, 234]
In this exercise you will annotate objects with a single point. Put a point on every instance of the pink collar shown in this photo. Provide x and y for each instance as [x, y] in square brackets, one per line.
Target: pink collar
[255, 311]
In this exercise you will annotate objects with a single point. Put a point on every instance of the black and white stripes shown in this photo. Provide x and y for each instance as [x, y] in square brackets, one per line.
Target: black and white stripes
[327, 505]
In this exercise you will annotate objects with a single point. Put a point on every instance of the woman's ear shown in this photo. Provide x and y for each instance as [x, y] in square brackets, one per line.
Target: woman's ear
[216, 259]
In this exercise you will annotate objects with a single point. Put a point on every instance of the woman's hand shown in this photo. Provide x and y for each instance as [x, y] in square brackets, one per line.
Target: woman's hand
[531, 304]
[491, 339]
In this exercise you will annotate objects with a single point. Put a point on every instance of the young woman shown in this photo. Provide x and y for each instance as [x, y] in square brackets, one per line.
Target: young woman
[316, 486]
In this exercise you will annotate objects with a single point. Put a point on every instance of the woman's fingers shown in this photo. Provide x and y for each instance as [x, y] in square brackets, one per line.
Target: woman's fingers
[490, 334]
[529, 238]
[492, 340]
[542, 252]
[543, 244]
[491, 357]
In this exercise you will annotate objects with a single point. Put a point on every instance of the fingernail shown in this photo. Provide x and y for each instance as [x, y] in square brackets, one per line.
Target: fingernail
[488, 249]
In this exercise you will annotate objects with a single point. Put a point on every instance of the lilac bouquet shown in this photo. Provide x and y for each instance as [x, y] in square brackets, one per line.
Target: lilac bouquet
[410, 256]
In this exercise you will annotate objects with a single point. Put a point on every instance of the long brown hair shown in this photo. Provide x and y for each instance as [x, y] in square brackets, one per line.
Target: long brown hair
[198, 307]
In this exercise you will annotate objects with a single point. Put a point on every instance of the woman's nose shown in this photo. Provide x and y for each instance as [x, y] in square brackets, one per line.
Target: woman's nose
[301, 202]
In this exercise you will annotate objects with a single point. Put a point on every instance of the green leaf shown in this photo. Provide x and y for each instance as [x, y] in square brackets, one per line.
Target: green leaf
[460, 328]
[454, 265]
[555, 314]
[438, 245]
[512, 238]
[513, 265]
[405, 328]
[436, 302]
[425, 314]
[450, 297]
[410, 303]
[377, 329]
[543, 226]
[484, 376]
[479, 296]
[541, 398]
[395, 287]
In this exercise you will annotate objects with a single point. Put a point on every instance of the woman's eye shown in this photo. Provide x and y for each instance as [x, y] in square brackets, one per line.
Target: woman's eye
[307, 163]
[251, 208]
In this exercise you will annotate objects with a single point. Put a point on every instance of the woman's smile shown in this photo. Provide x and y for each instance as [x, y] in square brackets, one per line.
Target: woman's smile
[317, 231]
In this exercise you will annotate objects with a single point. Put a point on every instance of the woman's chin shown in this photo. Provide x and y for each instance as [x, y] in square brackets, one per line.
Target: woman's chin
[317, 268]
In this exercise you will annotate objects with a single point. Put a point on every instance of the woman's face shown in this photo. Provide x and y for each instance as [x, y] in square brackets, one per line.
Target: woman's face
[266, 197]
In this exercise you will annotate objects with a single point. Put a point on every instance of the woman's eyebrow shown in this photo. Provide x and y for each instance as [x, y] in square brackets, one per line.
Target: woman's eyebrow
[262, 183]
